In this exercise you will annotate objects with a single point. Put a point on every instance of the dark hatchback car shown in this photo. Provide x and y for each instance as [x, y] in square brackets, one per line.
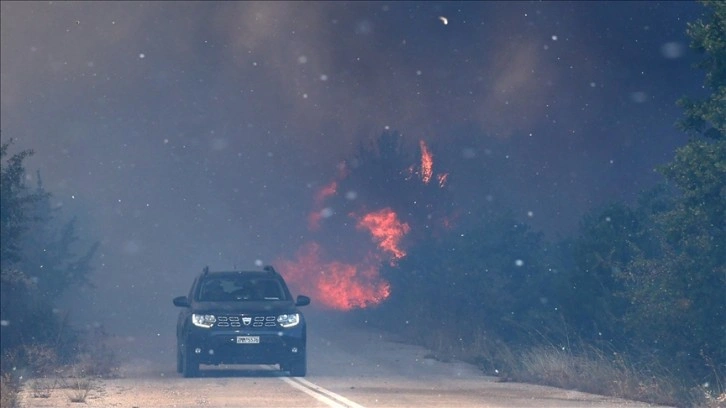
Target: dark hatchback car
[241, 317]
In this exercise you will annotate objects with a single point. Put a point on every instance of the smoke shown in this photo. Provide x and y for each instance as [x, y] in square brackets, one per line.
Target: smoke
[189, 134]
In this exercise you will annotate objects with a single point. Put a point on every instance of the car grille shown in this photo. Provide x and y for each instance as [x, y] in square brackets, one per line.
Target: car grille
[237, 321]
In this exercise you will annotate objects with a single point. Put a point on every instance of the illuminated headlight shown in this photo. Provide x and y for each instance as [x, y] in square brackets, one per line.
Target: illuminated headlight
[288, 320]
[201, 320]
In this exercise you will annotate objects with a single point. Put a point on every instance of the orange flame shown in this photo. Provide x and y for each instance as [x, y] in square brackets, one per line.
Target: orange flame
[335, 284]
[339, 285]
[427, 163]
[386, 229]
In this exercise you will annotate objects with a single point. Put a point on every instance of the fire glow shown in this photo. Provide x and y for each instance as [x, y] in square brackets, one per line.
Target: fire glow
[427, 163]
[344, 286]
[386, 230]
[426, 169]
[335, 284]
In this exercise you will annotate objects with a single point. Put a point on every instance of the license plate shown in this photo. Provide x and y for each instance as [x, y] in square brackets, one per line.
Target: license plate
[248, 339]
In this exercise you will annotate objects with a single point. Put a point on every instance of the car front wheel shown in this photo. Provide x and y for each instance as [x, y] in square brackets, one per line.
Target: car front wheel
[190, 365]
[297, 367]
[179, 360]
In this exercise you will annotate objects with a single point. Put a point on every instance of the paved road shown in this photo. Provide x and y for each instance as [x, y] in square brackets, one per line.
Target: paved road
[349, 366]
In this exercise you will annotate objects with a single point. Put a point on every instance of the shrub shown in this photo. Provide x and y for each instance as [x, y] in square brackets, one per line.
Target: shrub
[8, 391]
[77, 384]
[42, 387]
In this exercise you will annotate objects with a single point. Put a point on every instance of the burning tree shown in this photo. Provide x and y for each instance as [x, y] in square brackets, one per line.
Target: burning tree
[382, 198]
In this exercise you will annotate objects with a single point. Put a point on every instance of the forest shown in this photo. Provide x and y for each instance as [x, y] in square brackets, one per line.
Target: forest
[633, 305]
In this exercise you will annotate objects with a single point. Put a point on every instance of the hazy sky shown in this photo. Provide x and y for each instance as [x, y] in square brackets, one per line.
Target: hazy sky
[187, 134]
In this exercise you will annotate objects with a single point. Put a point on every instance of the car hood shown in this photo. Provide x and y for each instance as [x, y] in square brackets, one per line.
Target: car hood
[281, 306]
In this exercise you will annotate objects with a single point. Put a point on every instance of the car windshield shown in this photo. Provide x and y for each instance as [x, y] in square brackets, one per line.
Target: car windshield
[230, 289]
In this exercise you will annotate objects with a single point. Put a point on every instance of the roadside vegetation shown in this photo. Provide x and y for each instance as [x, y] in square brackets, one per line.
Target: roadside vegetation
[633, 305]
[42, 256]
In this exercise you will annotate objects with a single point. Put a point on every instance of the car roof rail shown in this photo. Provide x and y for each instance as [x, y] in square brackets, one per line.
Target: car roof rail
[270, 269]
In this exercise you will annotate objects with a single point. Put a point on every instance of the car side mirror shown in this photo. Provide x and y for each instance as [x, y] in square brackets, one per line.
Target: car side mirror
[181, 301]
[302, 300]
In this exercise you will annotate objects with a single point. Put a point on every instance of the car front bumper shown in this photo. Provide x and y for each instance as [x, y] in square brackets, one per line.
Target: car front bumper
[221, 346]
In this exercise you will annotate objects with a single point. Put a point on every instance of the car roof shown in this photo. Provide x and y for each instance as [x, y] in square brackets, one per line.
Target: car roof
[239, 274]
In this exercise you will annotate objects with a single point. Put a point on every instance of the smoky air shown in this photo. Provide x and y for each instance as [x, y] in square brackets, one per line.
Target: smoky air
[463, 176]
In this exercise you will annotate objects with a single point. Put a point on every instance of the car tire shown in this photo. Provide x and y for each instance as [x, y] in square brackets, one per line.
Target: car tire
[190, 365]
[297, 367]
[179, 360]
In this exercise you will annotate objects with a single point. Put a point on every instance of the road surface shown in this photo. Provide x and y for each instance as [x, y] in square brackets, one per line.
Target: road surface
[348, 366]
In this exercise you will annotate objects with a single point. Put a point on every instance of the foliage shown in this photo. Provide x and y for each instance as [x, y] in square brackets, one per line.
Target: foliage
[39, 261]
[708, 116]
[685, 286]
[8, 391]
[610, 240]
[656, 273]
[15, 200]
[647, 281]
[497, 270]
[388, 164]
[50, 249]
[680, 292]
[605, 246]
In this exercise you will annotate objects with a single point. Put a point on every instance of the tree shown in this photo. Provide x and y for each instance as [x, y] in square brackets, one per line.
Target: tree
[387, 173]
[495, 269]
[608, 242]
[707, 117]
[15, 203]
[15, 207]
[678, 297]
[50, 248]
[39, 261]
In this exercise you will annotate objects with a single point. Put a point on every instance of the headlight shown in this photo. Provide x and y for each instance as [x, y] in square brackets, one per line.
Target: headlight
[288, 320]
[201, 320]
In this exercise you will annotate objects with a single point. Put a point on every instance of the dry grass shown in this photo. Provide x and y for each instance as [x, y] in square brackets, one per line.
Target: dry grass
[589, 370]
[96, 357]
[41, 359]
[709, 398]
[38, 366]
[597, 373]
[42, 387]
[575, 366]
[8, 391]
[36, 362]
[78, 386]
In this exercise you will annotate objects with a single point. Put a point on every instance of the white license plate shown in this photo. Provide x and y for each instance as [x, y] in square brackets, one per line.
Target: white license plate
[248, 339]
